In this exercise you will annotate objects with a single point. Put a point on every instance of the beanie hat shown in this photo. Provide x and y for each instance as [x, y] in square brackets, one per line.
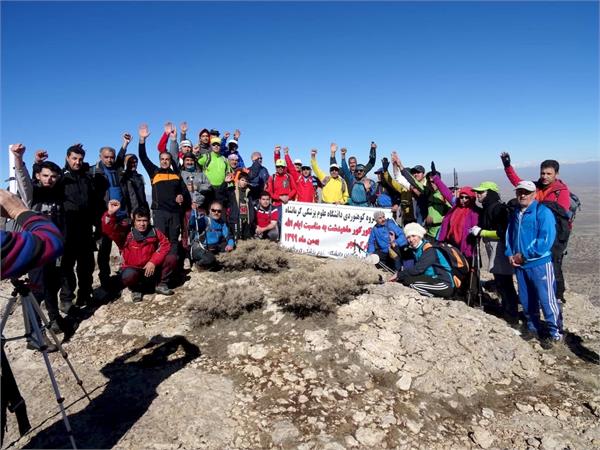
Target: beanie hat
[214, 132]
[414, 229]
[185, 143]
[189, 155]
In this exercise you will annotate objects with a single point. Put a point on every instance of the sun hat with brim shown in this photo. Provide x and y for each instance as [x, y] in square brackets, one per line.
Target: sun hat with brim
[526, 185]
[280, 163]
[487, 186]
[334, 166]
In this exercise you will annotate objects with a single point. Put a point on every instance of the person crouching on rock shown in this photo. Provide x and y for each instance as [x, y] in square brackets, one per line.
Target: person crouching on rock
[387, 241]
[144, 249]
[431, 274]
[210, 236]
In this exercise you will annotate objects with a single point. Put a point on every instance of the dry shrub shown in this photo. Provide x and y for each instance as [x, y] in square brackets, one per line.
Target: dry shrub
[324, 288]
[224, 300]
[255, 254]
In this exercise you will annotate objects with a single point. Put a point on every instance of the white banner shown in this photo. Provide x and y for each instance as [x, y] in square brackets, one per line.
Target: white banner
[327, 230]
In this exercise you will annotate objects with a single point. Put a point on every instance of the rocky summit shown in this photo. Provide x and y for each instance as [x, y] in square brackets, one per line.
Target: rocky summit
[241, 358]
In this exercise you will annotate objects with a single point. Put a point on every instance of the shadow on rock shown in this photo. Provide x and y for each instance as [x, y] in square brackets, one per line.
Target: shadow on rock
[133, 380]
[575, 344]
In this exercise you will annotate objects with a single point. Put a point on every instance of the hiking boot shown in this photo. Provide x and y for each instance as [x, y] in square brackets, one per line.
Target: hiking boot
[50, 346]
[528, 335]
[55, 327]
[136, 297]
[65, 306]
[163, 289]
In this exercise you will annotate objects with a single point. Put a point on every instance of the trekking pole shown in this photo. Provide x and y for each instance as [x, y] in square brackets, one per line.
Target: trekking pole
[479, 285]
[471, 275]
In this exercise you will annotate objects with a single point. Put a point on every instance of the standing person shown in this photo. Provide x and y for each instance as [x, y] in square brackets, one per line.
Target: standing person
[216, 169]
[204, 137]
[46, 197]
[170, 196]
[303, 179]
[144, 249]
[493, 222]
[281, 187]
[554, 194]
[257, 177]
[420, 201]
[107, 176]
[362, 188]
[348, 170]
[81, 209]
[239, 217]
[335, 189]
[231, 147]
[529, 238]
[133, 185]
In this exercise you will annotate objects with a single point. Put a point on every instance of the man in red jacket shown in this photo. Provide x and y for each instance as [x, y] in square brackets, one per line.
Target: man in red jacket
[144, 249]
[549, 189]
[303, 179]
[281, 187]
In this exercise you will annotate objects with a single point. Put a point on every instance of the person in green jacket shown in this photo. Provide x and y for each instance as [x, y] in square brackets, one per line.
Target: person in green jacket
[216, 168]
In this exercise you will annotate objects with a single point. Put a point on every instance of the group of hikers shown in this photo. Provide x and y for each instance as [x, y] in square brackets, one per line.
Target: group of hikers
[205, 199]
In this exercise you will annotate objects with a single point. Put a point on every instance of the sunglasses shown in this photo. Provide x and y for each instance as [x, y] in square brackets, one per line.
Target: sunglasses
[216, 144]
[359, 171]
[216, 210]
[464, 197]
[334, 170]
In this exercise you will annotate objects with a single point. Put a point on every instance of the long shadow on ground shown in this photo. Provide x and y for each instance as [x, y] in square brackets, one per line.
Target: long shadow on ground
[128, 394]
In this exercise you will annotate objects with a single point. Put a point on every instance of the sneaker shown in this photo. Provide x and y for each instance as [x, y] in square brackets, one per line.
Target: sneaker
[528, 335]
[136, 297]
[163, 289]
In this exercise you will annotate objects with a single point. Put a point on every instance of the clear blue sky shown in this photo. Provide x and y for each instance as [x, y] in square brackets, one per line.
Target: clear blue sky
[453, 82]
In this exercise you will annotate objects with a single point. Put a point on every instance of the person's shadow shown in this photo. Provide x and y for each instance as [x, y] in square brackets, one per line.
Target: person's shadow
[128, 394]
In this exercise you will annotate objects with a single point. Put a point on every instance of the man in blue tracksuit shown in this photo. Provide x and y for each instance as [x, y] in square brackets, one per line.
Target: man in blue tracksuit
[529, 238]
[386, 240]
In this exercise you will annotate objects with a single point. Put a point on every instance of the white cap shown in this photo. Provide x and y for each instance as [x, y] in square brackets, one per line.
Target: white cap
[526, 185]
[297, 161]
[186, 143]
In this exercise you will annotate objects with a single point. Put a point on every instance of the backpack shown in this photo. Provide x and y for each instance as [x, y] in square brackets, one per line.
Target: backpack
[457, 261]
[574, 206]
[562, 219]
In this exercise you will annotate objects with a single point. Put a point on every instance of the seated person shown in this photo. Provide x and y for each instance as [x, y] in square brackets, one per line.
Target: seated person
[144, 249]
[266, 217]
[431, 275]
[210, 236]
[386, 241]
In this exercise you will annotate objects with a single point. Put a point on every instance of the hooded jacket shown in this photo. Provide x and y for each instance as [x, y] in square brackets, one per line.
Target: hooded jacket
[554, 192]
[531, 233]
[379, 239]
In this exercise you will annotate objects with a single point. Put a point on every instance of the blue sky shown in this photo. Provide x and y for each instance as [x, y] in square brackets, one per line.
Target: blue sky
[456, 82]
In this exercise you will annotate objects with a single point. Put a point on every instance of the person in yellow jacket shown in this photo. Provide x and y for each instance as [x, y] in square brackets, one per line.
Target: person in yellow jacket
[335, 189]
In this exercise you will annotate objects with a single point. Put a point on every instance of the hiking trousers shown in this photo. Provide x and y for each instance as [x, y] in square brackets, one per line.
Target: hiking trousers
[537, 290]
[428, 286]
[134, 278]
[169, 223]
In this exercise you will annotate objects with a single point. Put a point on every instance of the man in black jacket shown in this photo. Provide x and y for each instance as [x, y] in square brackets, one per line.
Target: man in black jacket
[170, 196]
[81, 208]
[107, 177]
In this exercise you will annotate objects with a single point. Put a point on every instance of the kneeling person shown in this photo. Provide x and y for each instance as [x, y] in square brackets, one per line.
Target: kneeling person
[386, 241]
[144, 249]
[210, 236]
[431, 275]
[266, 218]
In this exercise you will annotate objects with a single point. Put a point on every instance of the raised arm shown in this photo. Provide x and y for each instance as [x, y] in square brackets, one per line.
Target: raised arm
[509, 170]
[120, 159]
[290, 164]
[24, 183]
[315, 166]
[150, 167]
[372, 157]
[444, 190]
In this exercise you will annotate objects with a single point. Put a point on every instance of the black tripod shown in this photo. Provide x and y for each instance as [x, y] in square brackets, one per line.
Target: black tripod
[33, 332]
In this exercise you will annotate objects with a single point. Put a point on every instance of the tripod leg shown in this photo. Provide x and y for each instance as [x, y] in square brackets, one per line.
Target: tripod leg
[28, 302]
[9, 307]
[62, 351]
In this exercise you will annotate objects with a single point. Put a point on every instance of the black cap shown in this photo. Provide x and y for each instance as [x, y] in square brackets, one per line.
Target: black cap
[214, 132]
[418, 169]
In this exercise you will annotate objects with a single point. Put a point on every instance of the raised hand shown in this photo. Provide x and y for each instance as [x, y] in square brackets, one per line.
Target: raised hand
[286, 150]
[435, 172]
[226, 135]
[40, 156]
[17, 150]
[168, 127]
[313, 153]
[373, 145]
[386, 164]
[333, 148]
[505, 157]
[126, 140]
[277, 149]
[236, 134]
[343, 152]
[113, 207]
[143, 132]
[183, 126]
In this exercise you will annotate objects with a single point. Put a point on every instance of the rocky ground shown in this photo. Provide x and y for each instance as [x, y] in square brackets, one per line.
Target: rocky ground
[388, 369]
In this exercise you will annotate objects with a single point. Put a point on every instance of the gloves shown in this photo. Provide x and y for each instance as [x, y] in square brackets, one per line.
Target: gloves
[385, 163]
[475, 231]
[433, 167]
[505, 157]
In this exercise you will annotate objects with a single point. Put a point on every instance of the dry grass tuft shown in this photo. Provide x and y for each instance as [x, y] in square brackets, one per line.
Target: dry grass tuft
[322, 289]
[258, 255]
[224, 301]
